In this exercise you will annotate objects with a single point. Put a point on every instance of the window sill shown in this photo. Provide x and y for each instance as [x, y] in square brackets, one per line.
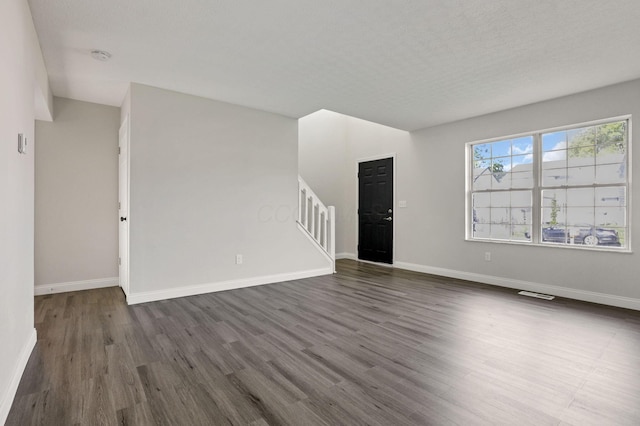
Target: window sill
[552, 245]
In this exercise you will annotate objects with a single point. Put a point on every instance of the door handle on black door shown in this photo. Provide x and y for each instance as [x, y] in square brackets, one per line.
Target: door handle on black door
[122, 219]
[389, 219]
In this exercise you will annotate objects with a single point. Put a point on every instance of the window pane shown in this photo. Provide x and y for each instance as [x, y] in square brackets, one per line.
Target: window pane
[582, 197]
[521, 199]
[482, 199]
[555, 234]
[481, 166]
[611, 173]
[555, 208]
[610, 216]
[481, 151]
[501, 164]
[581, 142]
[500, 232]
[581, 157]
[522, 180]
[521, 233]
[581, 175]
[611, 138]
[554, 217]
[500, 215]
[554, 197]
[482, 182]
[554, 141]
[579, 216]
[554, 159]
[481, 231]
[521, 161]
[554, 177]
[621, 233]
[482, 215]
[604, 157]
[501, 180]
[523, 145]
[592, 236]
[521, 216]
[500, 199]
[610, 196]
[501, 148]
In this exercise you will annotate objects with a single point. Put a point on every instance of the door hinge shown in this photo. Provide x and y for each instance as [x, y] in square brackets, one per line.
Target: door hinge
[118, 150]
[119, 261]
[118, 205]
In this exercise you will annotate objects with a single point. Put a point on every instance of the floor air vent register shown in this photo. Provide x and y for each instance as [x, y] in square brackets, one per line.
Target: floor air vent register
[537, 295]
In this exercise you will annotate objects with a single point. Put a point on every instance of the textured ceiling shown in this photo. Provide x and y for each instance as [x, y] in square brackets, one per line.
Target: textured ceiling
[403, 63]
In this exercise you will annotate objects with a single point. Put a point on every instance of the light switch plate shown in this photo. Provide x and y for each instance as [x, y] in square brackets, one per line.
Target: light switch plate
[402, 203]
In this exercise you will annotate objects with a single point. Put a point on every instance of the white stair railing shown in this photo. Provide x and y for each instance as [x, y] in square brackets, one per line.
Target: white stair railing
[317, 219]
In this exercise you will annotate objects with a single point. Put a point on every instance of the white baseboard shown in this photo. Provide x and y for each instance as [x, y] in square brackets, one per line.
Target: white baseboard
[10, 392]
[171, 293]
[570, 293]
[75, 286]
[350, 256]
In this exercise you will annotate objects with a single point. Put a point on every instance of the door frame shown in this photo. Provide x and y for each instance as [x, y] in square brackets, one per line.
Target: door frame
[357, 205]
[126, 128]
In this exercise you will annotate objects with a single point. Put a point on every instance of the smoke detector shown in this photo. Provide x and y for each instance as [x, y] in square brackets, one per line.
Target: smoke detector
[100, 55]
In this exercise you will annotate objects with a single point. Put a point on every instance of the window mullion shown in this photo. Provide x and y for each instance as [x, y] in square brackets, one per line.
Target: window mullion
[536, 191]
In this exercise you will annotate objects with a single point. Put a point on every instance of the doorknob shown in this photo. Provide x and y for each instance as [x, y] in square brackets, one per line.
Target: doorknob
[122, 219]
[388, 219]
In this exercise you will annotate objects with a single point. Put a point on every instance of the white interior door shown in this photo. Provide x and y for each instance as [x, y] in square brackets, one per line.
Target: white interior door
[123, 197]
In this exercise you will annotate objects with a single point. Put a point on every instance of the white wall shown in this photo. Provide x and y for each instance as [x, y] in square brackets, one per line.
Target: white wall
[21, 66]
[430, 176]
[76, 198]
[322, 163]
[210, 180]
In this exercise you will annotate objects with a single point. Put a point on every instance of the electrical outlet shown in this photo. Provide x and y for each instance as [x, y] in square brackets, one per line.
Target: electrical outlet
[238, 259]
[487, 256]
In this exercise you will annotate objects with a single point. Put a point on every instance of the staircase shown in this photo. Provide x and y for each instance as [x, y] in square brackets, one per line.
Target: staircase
[317, 220]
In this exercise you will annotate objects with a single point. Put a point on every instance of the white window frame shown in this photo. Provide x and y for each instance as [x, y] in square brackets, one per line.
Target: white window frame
[537, 188]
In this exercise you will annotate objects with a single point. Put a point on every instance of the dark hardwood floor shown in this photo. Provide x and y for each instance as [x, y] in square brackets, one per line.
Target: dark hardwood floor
[369, 345]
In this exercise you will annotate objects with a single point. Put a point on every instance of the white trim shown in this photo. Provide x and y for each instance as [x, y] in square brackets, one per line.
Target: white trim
[393, 156]
[570, 293]
[192, 290]
[75, 286]
[125, 128]
[350, 256]
[9, 395]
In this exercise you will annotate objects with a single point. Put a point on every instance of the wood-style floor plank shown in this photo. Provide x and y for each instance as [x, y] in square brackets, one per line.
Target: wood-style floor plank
[367, 346]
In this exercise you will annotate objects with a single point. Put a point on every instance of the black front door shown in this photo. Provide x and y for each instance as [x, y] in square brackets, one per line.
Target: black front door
[375, 210]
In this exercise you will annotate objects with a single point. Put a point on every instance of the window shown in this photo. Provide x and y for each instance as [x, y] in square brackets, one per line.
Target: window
[572, 183]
